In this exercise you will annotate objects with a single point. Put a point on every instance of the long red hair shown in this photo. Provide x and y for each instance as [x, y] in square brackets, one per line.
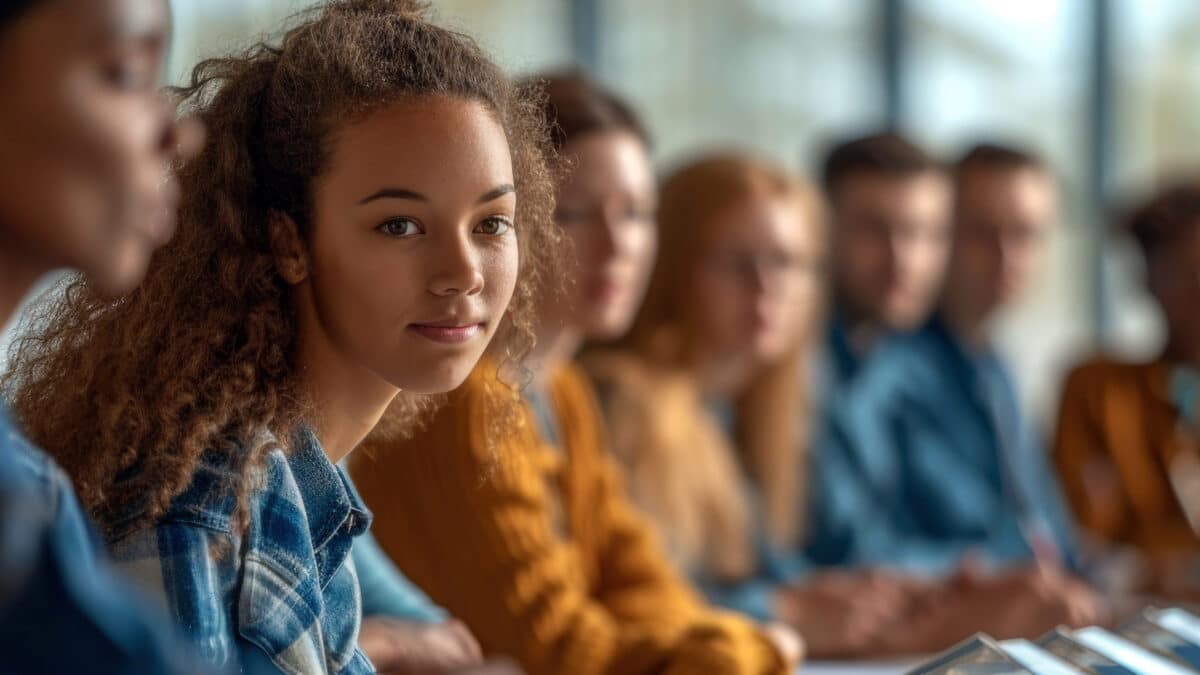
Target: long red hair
[684, 468]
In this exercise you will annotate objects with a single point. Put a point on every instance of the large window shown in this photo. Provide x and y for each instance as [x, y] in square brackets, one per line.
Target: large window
[1016, 72]
[785, 77]
[777, 76]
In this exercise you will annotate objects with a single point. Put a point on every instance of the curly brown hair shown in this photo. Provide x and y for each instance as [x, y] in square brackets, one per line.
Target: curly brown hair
[127, 394]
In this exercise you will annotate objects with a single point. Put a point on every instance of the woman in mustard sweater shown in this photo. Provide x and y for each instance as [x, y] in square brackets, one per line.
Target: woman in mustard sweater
[520, 526]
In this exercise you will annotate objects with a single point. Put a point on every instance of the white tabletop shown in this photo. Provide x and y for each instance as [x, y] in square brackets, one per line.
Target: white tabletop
[858, 667]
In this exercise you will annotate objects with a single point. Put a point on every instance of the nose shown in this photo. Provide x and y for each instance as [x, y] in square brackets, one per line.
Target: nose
[180, 138]
[456, 267]
[758, 278]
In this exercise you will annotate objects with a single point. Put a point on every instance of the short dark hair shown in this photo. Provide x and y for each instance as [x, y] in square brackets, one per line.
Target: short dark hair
[1165, 218]
[11, 10]
[998, 157]
[576, 104]
[887, 153]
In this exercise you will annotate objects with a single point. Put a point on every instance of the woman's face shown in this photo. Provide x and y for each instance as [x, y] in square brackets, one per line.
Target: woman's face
[412, 255]
[1174, 274]
[606, 207]
[88, 139]
[757, 286]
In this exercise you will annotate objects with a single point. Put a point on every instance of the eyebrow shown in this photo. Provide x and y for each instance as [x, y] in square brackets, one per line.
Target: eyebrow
[402, 193]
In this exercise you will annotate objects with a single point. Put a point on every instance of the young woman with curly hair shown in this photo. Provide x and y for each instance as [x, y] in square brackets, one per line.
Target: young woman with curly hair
[524, 531]
[352, 229]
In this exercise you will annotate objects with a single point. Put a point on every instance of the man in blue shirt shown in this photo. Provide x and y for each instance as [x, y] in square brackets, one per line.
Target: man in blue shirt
[930, 454]
[889, 203]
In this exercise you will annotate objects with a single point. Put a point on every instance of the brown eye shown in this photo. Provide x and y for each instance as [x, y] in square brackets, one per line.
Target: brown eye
[399, 227]
[494, 226]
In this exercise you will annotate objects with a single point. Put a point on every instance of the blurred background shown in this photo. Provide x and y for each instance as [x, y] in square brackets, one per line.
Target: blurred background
[1102, 88]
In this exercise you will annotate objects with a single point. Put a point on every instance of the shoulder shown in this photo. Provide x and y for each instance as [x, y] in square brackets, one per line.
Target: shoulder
[473, 431]
[649, 407]
[906, 369]
[26, 469]
[1105, 370]
[626, 375]
[1102, 378]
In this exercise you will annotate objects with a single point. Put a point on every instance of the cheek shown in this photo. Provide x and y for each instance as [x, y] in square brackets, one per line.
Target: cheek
[363, 288]
[581, 238]
[719, 307]
[806, 299]
[501, 269]
[643, 249]
[925, 262]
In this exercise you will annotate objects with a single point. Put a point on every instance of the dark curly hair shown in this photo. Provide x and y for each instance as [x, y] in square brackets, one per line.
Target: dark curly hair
[127, 394]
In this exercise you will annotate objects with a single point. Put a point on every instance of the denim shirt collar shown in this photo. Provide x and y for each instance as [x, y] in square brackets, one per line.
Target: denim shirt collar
[331, 503]
[845, 361]
[330, 499]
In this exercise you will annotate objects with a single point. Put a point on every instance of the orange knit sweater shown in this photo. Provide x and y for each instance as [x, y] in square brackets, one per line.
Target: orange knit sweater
[1117, 436]
[538, 550]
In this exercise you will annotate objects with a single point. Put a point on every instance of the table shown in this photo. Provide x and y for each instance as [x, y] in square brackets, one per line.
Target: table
[858, 667]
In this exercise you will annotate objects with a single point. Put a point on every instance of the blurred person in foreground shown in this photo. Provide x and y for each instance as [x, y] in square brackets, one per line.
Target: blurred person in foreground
[1126, 448]
[85, 183]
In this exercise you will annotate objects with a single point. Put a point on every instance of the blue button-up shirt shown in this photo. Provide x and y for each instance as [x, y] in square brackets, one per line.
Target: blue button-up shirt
[927, 456]
[63, 609]
[282, 594]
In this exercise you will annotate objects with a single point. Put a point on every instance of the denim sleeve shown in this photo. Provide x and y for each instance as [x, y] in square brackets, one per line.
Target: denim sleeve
[385, 590]
[69, 610]
[189, 570]
[851, 523]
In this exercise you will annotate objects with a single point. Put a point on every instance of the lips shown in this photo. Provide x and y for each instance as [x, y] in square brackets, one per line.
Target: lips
[447, 333]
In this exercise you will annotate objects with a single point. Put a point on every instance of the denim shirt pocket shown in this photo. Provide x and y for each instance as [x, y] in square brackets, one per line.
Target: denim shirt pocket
[279, 610]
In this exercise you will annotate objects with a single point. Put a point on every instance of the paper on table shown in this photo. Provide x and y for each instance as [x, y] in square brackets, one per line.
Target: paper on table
[1037, 659]
[1127, 653]
[857, 667]
[1184, 624]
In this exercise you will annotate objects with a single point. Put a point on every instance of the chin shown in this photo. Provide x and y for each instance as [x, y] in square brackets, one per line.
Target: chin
[601, 325]
[117, 267]
[435, 377]
[114, 280]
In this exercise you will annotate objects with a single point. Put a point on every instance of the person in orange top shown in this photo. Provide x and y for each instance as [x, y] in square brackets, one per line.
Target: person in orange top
[520, 526]
[1126, 446]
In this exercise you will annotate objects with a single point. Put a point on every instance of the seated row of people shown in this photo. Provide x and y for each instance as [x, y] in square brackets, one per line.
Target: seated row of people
[378, 216]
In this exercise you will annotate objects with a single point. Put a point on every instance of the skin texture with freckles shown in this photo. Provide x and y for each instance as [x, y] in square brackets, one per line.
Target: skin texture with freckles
[410, 262]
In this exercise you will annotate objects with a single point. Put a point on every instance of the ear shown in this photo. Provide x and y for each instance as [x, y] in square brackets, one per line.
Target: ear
[291, 255]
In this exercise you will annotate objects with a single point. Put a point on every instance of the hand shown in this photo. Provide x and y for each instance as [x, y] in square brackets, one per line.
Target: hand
[791, 646]
[396, 646]
[843, 614]
[1022, 603]
[501, 666]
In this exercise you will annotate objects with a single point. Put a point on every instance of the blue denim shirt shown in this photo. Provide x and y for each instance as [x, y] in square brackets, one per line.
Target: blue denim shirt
[927, 456]
[284, 593]
[63, 609]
